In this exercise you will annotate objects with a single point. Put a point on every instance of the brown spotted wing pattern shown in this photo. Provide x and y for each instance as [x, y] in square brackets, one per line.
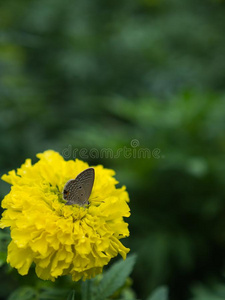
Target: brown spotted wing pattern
[78, 190]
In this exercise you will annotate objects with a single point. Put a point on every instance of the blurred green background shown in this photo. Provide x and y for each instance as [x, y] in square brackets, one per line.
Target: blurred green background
[136, 74]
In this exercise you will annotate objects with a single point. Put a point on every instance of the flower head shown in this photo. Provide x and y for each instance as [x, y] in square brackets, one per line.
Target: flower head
[63, 239]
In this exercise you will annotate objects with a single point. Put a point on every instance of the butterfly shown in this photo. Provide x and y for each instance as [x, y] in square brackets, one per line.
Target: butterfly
[78, 190]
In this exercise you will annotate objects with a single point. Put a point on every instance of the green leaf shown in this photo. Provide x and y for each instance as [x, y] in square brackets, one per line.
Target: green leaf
[161, 293]
[71, 295]
[114, 278]
[86, 290]
[215, 291]
[52, 294]
[24, 293]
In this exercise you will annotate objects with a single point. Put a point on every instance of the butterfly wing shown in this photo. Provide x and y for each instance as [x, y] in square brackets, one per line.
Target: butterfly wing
[78, 190]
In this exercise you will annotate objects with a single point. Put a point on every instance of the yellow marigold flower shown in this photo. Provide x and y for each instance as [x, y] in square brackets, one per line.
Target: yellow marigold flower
[63, 239]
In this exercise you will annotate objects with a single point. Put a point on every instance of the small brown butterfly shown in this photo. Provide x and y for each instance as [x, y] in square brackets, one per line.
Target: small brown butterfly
[78, 190]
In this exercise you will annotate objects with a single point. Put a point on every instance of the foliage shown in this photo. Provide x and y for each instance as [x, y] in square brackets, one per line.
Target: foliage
[99, 288]
[213, 291]
[114, 279]
[105, 75]
[160, 293]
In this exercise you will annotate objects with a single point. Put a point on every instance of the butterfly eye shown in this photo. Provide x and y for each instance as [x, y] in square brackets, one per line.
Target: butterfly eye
[66, 193]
